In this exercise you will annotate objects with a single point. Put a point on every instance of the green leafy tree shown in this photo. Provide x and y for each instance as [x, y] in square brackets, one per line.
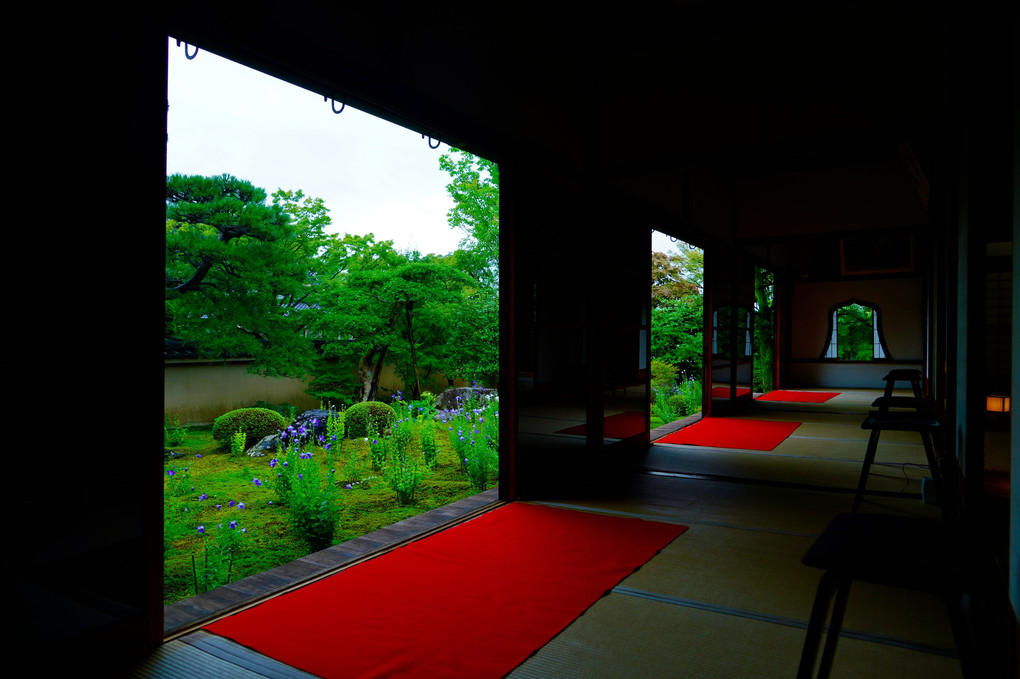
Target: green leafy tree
[240, 273]
[354, 330]
[764, 331]
[855, 333]
[473, 350]
[676, 319]
[474, 187]
[677, 275]
[387, 307]
[473, 347]
[419, 293]
[676, 334]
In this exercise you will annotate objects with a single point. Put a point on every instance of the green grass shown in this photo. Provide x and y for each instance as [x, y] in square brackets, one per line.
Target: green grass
[268, 542]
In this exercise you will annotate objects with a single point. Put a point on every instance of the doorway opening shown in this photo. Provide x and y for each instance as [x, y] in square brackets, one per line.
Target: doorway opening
[677, 319]
[335, 277]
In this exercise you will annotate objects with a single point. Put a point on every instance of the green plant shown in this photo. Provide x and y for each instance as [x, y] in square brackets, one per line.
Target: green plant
[663, 376]
[488, 423]
[313, 511]
[474, 435]
[681, 400]
[173, 431]
[676, 404]
[218, 555]
[352, 468]
[481, 463]
[404, 475]
[176, 482]
[427, 435]
[400, 438]
[237, 443]
[257, 423]
[690, 392]
[177, 512]
[311, 501]
[360, 416]
[403, 472]
[378, 448]
[335, 426]
[661, 405]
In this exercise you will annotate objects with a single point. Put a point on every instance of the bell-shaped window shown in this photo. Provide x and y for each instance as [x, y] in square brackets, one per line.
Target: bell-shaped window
[855, 333]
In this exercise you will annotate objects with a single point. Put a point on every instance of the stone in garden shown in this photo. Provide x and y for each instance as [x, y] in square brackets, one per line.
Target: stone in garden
[306, 419]
[313, 421]
[448, 399]
[266, 446]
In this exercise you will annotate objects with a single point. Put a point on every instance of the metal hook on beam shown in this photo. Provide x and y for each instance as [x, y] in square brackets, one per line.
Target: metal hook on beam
[343, 104]
[439, 141]
[189, 56]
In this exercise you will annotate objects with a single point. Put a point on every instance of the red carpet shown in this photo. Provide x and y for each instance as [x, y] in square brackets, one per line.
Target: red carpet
[798, 396]
[724, 392]
[727, 432]
[472, 601]
[618, 426]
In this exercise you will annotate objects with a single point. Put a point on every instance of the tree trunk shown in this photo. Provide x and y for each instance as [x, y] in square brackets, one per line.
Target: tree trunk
[369, 370]
[414, 353]
[365, 374]
[373, 392]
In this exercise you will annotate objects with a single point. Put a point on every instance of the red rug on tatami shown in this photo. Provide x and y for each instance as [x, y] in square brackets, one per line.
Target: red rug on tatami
[472, 601]
[798, 396]
[724, 392]
[618, 426]
[729, 432]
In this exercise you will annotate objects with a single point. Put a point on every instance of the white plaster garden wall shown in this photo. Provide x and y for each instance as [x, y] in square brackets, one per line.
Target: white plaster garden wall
[901, 301]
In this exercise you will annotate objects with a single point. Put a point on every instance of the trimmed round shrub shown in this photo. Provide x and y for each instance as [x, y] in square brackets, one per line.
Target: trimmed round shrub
[359, 416]
[257, 423]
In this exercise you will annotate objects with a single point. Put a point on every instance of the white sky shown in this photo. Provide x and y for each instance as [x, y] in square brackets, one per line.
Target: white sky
[373, 176]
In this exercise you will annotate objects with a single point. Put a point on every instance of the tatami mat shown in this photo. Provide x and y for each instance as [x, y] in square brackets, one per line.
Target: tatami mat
[744, 505]
[624, 636]
[828, 448]
[761, 573]
[897, 471]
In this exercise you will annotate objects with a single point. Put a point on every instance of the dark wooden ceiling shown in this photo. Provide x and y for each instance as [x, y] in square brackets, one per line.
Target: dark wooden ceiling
[728, 98]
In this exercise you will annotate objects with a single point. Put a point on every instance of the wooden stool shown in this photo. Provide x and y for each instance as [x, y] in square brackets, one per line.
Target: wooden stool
[915, 378]
[918, 405]
[926, 555]
[920, 421]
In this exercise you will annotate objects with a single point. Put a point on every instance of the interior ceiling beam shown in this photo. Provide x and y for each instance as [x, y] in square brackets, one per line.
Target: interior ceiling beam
[779, 157]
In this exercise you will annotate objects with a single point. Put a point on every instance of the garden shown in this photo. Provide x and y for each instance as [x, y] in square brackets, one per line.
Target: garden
[673, 396]
[326, 480]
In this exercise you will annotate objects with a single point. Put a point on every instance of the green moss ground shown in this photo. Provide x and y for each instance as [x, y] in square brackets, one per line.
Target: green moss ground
[369, 504]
